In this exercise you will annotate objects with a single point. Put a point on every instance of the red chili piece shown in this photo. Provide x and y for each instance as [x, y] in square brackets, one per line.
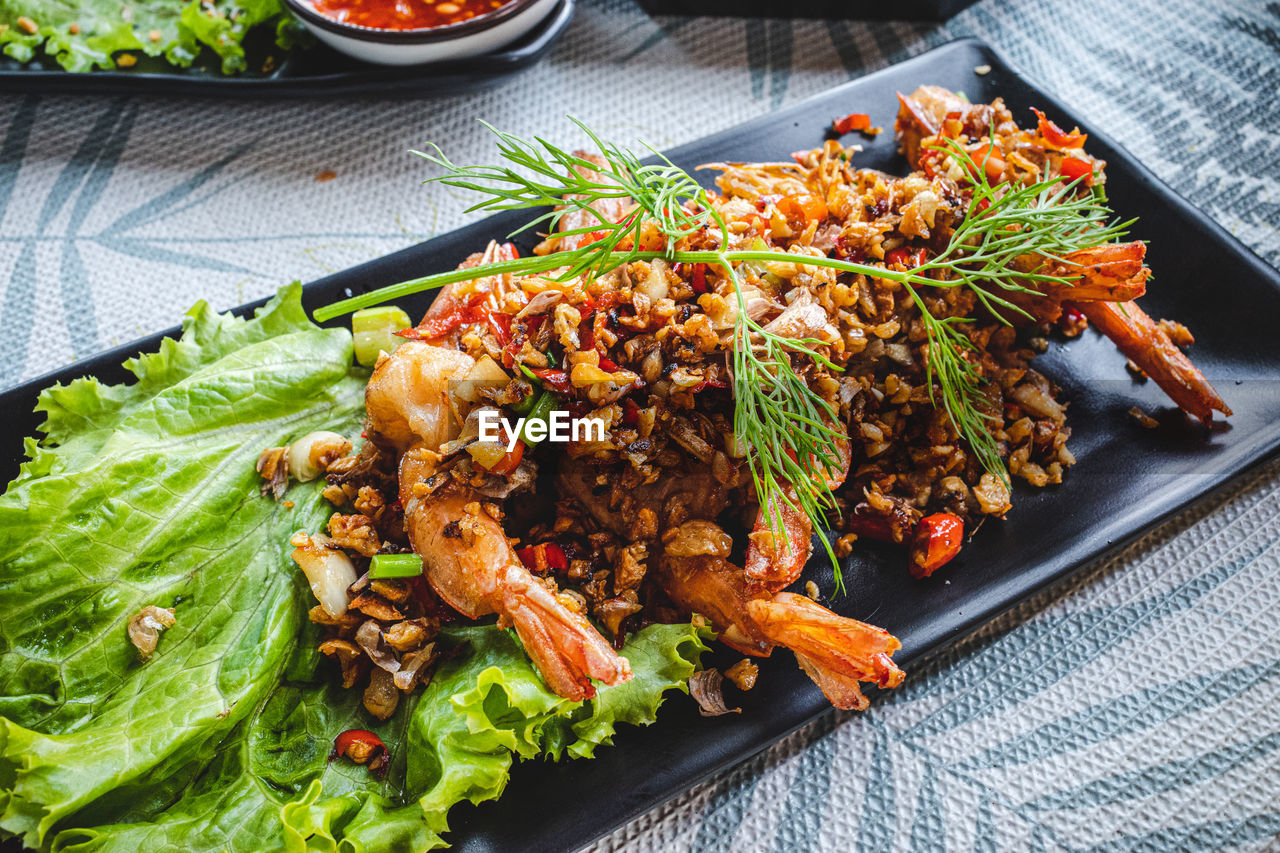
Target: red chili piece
[875, 527]
[543, 558]
[1056, 136]
[500, 325]
[441, 324]
[1073, 168]
[509, 461]
[937, 539]
[802, 208]
[588, 239]
[852, 122]
[922, 118]
[709, 383]
[587, 334]
[556, 380]
[699, 278]
[906, 257]
[362, 747]
[991, 161]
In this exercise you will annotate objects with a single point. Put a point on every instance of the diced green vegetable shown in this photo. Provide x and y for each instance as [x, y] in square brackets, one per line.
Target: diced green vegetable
[374, 331]
[395, 566]
[525, 406]
[541, 411]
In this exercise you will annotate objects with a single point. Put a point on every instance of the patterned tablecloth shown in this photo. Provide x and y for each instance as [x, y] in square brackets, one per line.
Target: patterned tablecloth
[1137, 708]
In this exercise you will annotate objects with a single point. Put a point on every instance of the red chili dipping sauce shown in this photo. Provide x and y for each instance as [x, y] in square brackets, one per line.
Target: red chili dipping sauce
[405, 14]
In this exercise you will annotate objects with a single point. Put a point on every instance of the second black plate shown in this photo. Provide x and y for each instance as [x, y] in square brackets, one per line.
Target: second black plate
[1126, 479]
[317, 71]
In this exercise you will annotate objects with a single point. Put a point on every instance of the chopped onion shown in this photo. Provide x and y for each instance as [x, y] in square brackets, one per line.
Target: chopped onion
[688, 438]
[309, 456]
[370, 638]
[485, 373]
[145, 628]
[705, 688]
[414, 667]
[655, 285]
[328, 570]
[540, 304]
[743, 674]
[734, 446]
[486, 454]
[1038, 403]
[381, 696]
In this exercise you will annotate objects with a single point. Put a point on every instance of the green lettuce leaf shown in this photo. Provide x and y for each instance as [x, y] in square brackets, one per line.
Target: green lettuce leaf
[269, 786]
[173, 30]
[155, 502]
[488, 707]
[146, 494]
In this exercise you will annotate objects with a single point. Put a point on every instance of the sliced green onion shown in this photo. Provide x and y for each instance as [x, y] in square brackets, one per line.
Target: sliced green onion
[395, 566]
[541, 411]
[529, 374]
[374, 331]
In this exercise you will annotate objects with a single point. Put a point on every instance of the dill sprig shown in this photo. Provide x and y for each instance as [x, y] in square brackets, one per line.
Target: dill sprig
[787, 428]
[537, 174]
[1004, 223]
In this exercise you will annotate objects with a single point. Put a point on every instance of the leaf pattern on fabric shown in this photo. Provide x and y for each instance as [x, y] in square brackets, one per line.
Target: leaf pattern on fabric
[1188, 88]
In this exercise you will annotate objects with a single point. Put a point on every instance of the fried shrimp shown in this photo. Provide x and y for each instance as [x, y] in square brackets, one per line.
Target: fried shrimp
[408, 396]
[470, 564]
[835, 651]
[466, 556]
[778, 560]
[1100, 278]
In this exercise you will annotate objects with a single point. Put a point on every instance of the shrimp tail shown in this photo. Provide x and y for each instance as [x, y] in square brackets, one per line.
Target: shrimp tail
[567, 650]
[836, 652]
[1139, 337]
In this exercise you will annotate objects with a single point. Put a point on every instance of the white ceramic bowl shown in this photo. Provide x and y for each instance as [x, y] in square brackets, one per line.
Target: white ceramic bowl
[482, 34]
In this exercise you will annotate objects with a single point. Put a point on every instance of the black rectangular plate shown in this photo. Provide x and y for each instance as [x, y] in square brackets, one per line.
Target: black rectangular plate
[317, 71]
[1126, 480]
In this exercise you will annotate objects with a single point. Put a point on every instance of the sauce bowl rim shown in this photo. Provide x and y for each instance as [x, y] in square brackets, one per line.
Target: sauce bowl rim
[421, 35]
